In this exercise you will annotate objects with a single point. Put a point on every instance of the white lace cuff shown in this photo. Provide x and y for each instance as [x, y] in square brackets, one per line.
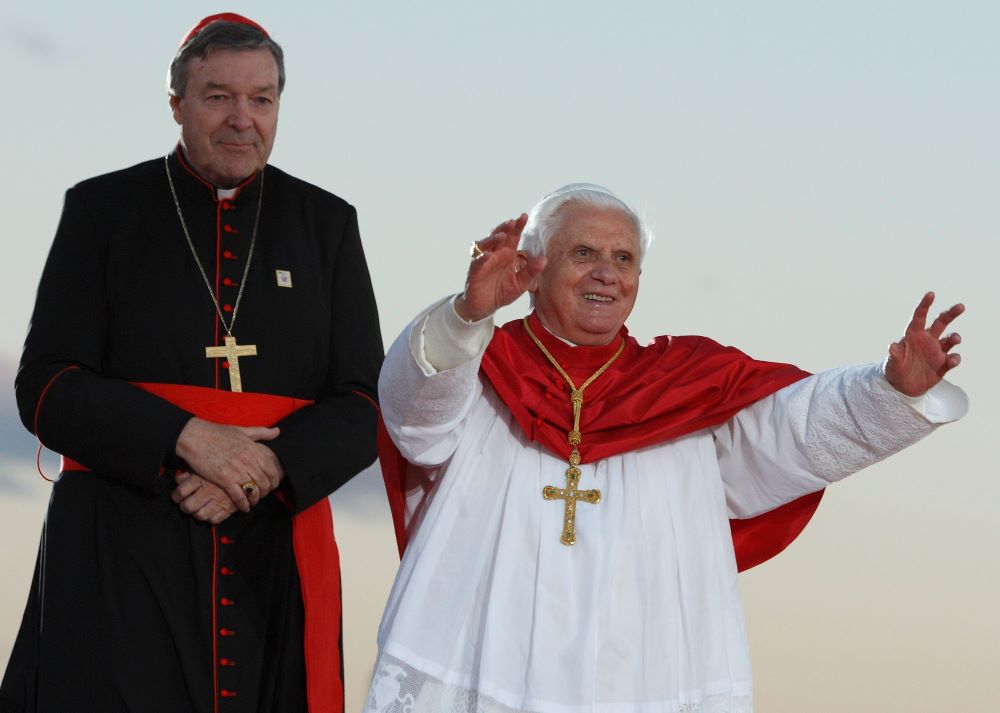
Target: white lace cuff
[943, 403]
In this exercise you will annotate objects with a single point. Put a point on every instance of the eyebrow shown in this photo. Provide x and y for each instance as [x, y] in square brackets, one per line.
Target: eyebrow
[256, 90]
[589, 246]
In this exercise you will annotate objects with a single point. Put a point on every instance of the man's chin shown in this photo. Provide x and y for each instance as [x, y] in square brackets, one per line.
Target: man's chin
[234, 175]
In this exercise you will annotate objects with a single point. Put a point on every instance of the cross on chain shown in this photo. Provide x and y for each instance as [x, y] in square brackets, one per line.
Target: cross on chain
[571, 495]
[232, 353]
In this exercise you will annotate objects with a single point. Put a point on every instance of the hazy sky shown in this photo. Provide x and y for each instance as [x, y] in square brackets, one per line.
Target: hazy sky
[809, 170]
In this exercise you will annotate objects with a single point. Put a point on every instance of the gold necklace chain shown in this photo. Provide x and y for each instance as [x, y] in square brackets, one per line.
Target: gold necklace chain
[571, 494]
[576, 395]
[197, 260]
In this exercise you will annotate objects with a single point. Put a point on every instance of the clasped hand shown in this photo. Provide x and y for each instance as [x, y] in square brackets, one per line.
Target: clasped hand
[222, 459]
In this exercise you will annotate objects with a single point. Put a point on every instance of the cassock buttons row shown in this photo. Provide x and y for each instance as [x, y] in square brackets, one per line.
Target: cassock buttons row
[228, 255]
[226, 602]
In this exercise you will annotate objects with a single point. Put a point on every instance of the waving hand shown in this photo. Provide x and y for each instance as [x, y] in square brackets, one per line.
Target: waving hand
[922, 357]
[499, 274]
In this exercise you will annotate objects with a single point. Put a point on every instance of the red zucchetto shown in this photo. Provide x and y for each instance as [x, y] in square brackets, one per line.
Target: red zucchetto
[221, 17]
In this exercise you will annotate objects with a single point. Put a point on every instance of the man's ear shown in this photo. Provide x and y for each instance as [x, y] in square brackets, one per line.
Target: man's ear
[522, 264]
[175, 108]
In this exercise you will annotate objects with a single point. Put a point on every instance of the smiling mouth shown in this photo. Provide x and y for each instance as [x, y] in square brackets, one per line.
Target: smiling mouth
[593, 297]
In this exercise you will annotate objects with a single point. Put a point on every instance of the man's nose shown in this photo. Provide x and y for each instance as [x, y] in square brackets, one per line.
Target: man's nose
[239, 117]
[604, 272]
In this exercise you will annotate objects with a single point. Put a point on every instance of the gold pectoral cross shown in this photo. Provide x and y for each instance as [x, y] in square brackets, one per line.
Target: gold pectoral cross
[571, 495]
[232, 353]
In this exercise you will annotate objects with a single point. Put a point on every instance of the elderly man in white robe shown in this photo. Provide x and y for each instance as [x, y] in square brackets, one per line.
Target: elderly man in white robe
[567, 495]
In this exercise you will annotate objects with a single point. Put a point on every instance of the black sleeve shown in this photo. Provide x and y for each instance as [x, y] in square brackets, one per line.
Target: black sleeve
[62, 395]
[323, 446]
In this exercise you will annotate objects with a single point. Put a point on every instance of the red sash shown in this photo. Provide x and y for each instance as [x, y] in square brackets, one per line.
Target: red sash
[316, 552]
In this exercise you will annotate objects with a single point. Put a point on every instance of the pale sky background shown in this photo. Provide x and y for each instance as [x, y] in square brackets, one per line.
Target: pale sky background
[810, 169]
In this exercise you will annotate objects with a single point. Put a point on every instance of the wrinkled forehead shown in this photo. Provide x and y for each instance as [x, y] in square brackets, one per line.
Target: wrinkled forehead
[224, 66]
[578, 220]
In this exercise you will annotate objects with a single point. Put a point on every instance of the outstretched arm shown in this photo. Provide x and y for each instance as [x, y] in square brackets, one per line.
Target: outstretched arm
[839, 421]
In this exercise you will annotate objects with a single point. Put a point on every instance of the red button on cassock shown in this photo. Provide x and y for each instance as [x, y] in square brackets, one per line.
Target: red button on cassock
[227, 662]
[225, 364]
[226, 602]
[228, 255]
[226, 632]
[226, 540]
[226, 693]
[227, 308]
[228, 283]
[226, 571]
[229, 229]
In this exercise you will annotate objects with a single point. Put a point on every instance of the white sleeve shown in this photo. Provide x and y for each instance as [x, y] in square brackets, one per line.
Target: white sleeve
[430, 380]
[821, 429]
[447, 341]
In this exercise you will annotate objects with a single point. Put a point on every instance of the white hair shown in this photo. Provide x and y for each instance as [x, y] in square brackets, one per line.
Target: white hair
[546, 217]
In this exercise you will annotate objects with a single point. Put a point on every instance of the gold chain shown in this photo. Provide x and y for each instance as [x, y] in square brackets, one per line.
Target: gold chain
[571, 494]
[197, 260]
[576, 395]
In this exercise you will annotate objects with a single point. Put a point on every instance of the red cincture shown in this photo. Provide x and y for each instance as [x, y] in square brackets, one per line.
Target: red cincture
[316, 554]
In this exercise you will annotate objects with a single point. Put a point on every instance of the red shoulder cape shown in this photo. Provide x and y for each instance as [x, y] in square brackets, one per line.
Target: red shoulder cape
[669, 388]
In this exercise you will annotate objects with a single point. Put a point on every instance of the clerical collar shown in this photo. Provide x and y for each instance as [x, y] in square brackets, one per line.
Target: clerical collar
[218, 194]
[574, 355]
[564, 341]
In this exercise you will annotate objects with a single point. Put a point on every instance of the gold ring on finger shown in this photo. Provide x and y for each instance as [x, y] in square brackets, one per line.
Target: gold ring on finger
[475, 251]
[250, 488]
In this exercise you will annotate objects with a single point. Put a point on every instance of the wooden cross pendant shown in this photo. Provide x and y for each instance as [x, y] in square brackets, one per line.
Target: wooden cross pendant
[571, 495]
[232, 353]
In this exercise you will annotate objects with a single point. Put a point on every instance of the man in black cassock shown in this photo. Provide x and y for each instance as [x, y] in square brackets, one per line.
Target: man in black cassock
[204, 352]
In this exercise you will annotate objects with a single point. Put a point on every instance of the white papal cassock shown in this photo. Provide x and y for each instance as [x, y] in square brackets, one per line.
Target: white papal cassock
[489, 611]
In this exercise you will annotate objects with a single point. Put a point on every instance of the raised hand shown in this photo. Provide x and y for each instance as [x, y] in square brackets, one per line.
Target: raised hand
[201, 499]
[499, 275]
[922, 357]
[231, 457]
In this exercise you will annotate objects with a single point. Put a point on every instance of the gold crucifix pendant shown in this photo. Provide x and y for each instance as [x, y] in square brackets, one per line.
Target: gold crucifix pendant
[571, 495]
[232, 353]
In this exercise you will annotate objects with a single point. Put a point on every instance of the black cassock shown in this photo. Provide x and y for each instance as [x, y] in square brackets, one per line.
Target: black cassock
[130, 594]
